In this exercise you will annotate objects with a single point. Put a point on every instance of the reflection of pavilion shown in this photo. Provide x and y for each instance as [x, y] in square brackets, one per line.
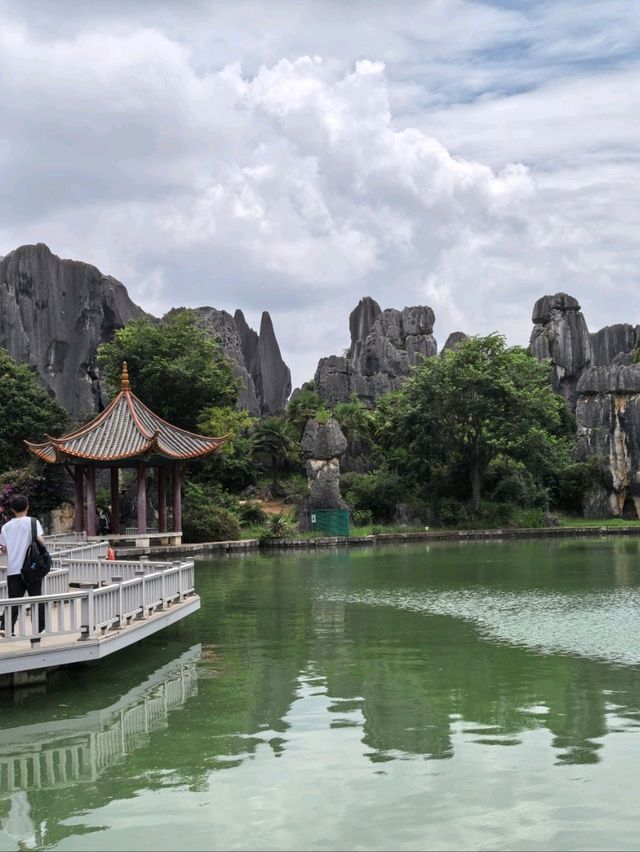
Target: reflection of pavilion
[71, 751]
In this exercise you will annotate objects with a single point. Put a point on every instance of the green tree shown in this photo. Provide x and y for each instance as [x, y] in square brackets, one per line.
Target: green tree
[175, 367]
[475, 404]
[233, 465]
[355, 419]
[304, 405]
[27, 412]
[273, 440]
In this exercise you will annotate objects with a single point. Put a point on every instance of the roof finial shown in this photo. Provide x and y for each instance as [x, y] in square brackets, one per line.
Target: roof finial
[124, 378]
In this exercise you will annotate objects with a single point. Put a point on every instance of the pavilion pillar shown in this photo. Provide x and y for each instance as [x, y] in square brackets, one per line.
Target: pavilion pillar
[115, 501]
[162, 498]
[177, 499]
[78, 476]
[91, 500]
[142, 499]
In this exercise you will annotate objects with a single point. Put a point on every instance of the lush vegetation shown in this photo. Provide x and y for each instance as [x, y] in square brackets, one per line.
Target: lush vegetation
[174, 367]
[474, 438]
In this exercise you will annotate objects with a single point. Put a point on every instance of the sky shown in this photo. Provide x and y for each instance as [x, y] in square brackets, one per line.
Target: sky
[297, 155]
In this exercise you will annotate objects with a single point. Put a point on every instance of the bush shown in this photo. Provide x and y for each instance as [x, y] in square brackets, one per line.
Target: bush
[295, 489]
[210, 523]
[362, 517]
[45, 486]
[251, 514]
[528, 518]
[379, 492]
[279, 526]
[203, 519]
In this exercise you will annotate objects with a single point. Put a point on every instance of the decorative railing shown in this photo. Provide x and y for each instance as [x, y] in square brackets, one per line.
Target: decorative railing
[91, 612]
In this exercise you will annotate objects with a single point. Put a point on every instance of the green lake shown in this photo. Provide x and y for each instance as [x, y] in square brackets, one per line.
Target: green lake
[443, 696]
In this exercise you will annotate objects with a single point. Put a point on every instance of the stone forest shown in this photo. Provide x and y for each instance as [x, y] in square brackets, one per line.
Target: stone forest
[399, 433]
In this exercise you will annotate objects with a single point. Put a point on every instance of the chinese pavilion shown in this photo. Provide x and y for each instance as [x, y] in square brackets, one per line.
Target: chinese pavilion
[126, 434]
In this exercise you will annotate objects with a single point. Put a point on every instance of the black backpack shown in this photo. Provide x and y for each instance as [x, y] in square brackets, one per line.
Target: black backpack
[37, 560]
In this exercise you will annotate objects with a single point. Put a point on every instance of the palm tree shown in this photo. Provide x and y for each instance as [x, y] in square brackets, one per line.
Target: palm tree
[272, 438]
[302, 407]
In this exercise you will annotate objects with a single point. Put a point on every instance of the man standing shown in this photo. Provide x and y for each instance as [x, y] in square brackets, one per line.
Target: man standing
[15, 539]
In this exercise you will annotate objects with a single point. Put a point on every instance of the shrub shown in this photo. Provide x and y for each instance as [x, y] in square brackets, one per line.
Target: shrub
[379, 492]
[362, 517]
[210, 523]
[279, 525]
[251, 514]
[528, 518]
[204, 519]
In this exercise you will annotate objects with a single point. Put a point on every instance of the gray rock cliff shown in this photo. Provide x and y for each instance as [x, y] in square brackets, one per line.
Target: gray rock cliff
[54, 314]
[224, 328]
[608, 427]
[272, 377]
[612, 341]
[384, 347]
[560, 333]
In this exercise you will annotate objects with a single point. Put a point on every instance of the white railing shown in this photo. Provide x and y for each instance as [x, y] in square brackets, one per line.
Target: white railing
[102, 570]
[90, 612]
[56, 582]
[65, 550]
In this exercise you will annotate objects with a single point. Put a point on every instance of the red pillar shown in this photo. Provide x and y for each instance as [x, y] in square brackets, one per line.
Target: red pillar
[142, 499]
[78, 521]
[91, 500]
[177, 499]
[162, 498]
[115, 502]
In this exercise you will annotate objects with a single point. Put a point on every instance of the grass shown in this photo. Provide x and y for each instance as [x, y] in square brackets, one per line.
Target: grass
[580, 523]
[382, 529]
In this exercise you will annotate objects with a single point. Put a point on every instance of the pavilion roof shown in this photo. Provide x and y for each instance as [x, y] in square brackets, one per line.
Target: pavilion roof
[125, 431]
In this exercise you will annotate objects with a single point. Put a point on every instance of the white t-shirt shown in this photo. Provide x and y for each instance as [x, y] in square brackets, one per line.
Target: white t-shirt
[16, 537]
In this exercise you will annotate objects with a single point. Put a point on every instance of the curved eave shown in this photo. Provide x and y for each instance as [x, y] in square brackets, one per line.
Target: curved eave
[43, 451]
[205, 451]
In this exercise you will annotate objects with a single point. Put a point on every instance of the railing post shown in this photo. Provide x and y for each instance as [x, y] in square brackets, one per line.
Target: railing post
[178, 565]
[87, 614]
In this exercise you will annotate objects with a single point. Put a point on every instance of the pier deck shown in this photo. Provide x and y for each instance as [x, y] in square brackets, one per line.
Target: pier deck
[92, 607]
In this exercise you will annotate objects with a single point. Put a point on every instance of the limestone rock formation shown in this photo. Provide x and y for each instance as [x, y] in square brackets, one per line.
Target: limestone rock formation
[608, 427]
[612, 341]
[224, 328]
[269, 376]
[54, 313]
[272, 377]
[384, 346]
[322, 446]
[454, 340]
[561, 334]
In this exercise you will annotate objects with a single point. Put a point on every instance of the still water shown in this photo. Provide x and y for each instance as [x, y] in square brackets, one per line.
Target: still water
[473, 696]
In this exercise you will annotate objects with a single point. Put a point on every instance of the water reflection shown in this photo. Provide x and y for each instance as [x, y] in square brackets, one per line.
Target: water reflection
[486, 640]
[57, 754]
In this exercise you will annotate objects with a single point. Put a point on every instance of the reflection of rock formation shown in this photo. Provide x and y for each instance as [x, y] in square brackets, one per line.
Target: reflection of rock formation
[322, 445]
[384, 346]
[62, 753]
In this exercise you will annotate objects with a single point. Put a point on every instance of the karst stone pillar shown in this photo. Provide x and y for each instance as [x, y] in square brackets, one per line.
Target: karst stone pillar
[322, 445]
[91, 500]
[78, 520]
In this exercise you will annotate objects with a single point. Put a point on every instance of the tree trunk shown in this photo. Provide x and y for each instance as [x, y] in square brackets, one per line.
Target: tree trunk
[476, 483]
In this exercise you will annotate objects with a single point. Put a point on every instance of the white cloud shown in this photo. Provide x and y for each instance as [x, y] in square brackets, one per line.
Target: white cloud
[288, 163]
